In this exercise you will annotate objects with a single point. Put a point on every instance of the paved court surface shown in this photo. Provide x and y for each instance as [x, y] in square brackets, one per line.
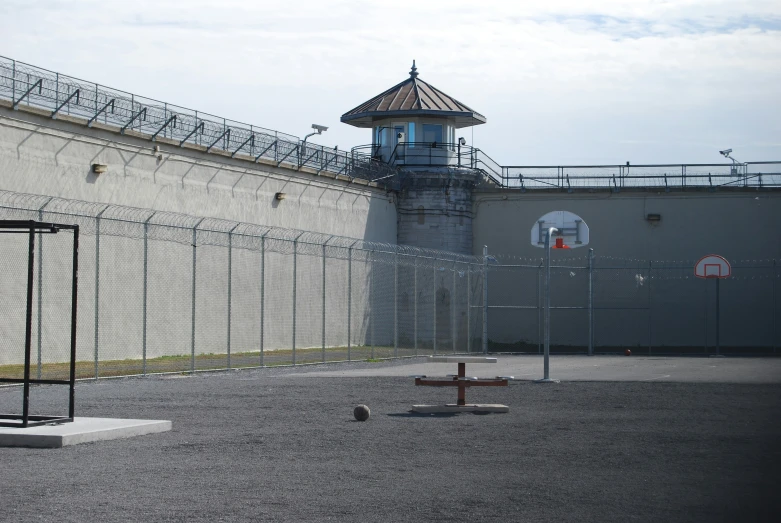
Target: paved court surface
[585, 368]
[703, 444]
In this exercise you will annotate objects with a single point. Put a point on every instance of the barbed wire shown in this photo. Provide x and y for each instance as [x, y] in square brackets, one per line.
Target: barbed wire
[135, 223]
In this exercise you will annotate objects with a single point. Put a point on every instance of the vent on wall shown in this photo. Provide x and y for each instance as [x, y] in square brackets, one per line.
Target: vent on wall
[653, 217]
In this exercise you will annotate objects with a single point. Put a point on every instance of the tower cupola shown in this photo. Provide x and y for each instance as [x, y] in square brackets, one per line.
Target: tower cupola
[410, 119]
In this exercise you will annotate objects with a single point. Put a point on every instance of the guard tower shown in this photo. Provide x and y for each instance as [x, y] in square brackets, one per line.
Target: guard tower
[415, 127]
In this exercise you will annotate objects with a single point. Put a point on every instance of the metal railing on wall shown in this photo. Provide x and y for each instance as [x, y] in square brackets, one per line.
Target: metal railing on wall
[58, 94]
[166, 292]
[666, 177]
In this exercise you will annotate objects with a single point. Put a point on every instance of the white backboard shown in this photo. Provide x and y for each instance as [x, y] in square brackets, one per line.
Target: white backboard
[712, 266]
[571, 229]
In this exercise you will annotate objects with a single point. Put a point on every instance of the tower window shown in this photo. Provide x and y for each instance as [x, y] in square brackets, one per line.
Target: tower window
[421, 215]
[432, 133]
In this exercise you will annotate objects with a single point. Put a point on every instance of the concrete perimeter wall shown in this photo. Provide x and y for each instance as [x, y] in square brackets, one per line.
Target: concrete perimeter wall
[39, 155]
[645, 292]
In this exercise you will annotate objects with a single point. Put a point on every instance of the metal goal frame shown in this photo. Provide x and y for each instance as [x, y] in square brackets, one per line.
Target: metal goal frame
[24, 419]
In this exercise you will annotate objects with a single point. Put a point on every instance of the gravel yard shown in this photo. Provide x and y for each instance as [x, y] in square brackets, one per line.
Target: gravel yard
[278, 445]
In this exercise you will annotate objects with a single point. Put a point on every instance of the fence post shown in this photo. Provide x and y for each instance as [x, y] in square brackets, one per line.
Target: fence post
[192, 306]
[349, 300]
[485, 299]
[97, 285]
[371, 302]
[415, 303]
[230, 290]
[295, 285]
[434, 301]
[145, 291]
[40, 289]
[323, 293]
[396, 303]
[469, 308]
[453, 306]
[262, 294]
[591, 302]
[650, 307]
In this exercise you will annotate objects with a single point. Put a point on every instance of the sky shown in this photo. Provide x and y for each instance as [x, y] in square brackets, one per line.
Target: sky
[561, 82]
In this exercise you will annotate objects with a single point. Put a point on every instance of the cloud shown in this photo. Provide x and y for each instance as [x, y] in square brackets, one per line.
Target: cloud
[557, 80]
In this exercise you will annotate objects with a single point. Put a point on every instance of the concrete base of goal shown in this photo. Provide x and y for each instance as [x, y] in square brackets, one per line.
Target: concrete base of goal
[451, 408]
[81, 430]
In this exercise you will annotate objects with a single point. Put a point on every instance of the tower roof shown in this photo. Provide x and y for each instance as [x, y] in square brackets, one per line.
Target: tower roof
[412, 97]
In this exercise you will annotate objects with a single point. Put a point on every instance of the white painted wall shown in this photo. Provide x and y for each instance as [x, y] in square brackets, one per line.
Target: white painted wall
[39, 155]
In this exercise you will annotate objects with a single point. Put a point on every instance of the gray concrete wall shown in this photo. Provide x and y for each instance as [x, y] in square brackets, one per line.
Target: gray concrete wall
[435, 210]
[645, 291]
[39, 155]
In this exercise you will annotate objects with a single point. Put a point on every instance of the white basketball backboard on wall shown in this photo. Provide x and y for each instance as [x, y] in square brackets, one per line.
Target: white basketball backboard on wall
[571, 231]
[712, 266]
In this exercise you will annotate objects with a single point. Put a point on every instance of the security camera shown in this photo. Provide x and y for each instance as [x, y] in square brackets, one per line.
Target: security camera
[462, 141]
[319, 128]
[725, 152]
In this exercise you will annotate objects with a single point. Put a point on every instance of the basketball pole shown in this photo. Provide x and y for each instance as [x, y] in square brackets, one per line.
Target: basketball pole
[546, 364]
[718, 327]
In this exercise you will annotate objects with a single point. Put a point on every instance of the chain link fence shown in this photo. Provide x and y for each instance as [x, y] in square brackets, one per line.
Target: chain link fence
[603, 304]
[162, 292]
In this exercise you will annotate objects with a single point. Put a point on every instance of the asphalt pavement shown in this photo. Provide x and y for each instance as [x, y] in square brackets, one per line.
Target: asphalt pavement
[281, 444]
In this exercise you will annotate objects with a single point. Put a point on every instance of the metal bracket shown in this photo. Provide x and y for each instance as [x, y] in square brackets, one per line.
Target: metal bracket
[323, 168]
[135, 117]
[110, 103]
[250, 140]
[309, 158]
[288, 154]
[38, 84]
[264, 151]
[171, 119]
[63, 104]
[195, 130]
[226, 133]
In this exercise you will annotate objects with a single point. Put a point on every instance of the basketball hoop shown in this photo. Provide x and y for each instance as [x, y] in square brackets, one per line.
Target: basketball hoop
[560, 244]
[569, 232]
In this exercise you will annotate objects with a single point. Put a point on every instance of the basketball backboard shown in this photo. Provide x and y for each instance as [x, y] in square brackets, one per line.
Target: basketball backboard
[571, 231]
[712, 266]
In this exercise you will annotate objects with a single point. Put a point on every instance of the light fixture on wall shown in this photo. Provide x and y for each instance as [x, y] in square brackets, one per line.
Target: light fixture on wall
[99, 168]
[653, 217]
[280, 196]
